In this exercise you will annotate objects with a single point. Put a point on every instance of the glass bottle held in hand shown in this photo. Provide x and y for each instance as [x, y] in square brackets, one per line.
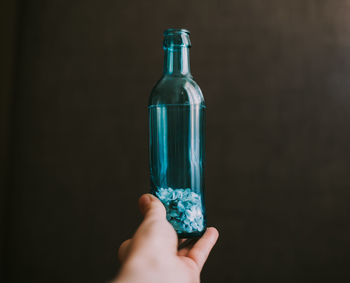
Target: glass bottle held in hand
[176, 139]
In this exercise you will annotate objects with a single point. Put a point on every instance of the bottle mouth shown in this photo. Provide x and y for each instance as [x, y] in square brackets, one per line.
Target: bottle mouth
[176, 38]
[176, 31]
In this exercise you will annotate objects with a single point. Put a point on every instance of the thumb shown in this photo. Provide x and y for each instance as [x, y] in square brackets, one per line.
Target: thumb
[155, 232]
[151, 207]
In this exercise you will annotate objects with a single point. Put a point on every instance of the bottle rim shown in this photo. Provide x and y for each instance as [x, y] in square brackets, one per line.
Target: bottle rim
[176, 30]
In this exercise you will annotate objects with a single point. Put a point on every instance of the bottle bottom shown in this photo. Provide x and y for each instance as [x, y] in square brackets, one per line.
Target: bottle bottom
[191, 235]
[184, 211]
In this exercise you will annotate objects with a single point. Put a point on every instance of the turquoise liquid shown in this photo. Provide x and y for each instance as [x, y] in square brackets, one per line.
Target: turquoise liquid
[176, 164]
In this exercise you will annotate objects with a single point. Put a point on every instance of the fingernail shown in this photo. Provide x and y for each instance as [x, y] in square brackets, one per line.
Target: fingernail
[148, 199]
[145, 202]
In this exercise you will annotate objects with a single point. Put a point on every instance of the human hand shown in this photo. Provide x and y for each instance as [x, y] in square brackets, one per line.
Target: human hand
[153, 254]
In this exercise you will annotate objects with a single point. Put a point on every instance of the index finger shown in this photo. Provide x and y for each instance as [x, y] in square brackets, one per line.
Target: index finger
[201, 249]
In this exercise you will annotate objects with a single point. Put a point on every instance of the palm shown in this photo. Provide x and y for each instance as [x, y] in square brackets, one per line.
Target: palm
[155, 241]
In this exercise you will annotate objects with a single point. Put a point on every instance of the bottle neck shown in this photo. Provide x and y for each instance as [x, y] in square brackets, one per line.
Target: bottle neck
[177, 61]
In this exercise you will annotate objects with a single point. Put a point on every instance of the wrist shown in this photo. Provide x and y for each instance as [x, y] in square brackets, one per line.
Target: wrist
[145, 269]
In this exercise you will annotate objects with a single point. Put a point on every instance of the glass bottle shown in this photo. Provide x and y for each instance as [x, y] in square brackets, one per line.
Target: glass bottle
[177, 139]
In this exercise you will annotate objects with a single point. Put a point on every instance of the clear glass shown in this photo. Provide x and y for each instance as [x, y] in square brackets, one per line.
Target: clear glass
[177, 139]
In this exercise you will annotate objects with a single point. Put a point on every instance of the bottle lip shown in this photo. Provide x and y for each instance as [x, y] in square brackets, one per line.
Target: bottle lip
[176, 38]
[175, 30]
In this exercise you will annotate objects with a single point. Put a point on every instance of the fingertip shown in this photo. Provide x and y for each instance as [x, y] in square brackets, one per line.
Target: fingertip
[150, 204]
[214, 232]
[144, 202]
[145, 198]
[153, 197]
[201, 249]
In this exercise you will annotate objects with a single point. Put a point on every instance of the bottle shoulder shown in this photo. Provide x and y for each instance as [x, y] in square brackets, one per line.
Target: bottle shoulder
[176, 90]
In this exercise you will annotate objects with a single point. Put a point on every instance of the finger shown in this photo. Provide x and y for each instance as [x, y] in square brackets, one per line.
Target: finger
[201, 249]
[186, 243]
[155, 232]
[184, 246]
[124, 250]
[151, 207]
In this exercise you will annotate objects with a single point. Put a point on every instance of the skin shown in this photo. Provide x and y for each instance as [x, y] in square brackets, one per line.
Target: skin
[153, 254]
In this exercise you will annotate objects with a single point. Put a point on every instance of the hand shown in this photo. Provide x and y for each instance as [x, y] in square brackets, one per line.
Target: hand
[153, 255]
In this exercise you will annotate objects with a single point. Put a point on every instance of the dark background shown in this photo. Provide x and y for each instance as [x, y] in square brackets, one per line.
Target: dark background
[75, 84]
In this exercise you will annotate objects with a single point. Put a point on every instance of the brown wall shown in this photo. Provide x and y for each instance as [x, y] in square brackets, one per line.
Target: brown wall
[275, 76]
[8, 50]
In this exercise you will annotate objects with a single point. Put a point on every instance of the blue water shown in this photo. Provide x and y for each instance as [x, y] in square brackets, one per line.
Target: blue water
[176, 164]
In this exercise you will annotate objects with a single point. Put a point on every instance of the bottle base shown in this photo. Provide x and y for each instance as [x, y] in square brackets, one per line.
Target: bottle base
[191, 235]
